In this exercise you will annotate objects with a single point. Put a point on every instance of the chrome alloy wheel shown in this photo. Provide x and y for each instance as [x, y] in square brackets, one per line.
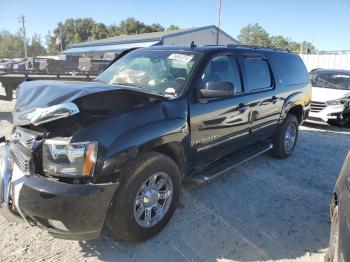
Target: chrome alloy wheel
[290, 137]
[153, 199]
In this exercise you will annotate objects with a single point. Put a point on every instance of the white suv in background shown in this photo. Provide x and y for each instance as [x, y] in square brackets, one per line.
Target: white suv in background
[330, 96]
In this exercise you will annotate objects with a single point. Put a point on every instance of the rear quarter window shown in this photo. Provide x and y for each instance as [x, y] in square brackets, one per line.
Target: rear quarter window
[258, 74]
[292, 69]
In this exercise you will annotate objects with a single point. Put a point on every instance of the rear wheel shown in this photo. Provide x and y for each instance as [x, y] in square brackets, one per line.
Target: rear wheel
[146, 199]
[286, 137]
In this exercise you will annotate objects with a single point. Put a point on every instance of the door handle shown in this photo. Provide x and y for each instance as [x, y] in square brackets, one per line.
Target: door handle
[274, 99]
[241, 108]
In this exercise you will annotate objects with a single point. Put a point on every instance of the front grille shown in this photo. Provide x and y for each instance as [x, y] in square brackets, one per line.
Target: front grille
[317, 106]
[20, 157]
[23, 147]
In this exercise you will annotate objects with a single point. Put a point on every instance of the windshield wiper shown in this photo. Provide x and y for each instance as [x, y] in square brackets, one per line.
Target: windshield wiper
[141, 89]
[125, 84]
[97, 80]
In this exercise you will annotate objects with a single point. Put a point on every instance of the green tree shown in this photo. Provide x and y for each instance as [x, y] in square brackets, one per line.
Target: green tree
[254, 35]
[85, 29]
[11, 45]
[51, 47]
[113, 30]
[35, 47]
[308, 48]
[293, 46]
[71, 31]
[154, 28]
[131, 26]
[172, 27]
[99, 31]
[279, 41]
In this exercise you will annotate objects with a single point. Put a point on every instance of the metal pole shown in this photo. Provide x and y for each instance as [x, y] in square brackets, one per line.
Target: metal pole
[24, 35]
[219, 21]
[61, 38]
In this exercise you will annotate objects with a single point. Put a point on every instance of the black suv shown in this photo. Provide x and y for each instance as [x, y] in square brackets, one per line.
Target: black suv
[116, 150]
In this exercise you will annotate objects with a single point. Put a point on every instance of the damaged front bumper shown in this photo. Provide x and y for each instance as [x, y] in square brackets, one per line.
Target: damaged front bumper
[68, 211]
[328, 113]
[7, 206]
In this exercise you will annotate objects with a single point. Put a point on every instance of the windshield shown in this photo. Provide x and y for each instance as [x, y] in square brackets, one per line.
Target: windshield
[334, 80]
[163, 72]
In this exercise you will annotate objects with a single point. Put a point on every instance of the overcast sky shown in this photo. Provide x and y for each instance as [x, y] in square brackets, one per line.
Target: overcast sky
[324, 23]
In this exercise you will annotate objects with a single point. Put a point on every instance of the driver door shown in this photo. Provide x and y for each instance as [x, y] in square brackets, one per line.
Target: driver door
[219, 125]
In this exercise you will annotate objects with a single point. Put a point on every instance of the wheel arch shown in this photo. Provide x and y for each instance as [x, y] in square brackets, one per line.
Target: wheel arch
[297, 111]
[176, 151]
[294, 105]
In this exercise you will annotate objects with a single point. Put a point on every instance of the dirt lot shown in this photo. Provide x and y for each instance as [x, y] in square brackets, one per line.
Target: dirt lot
[264, 210]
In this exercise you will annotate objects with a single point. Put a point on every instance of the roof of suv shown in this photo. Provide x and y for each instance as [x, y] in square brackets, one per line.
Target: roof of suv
[206, 48]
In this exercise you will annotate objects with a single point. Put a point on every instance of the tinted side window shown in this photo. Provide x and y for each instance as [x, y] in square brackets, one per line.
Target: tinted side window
[292, 69]
[223, 68]
[258, 73]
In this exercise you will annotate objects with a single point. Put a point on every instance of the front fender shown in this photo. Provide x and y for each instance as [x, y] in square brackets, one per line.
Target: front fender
[136, 141]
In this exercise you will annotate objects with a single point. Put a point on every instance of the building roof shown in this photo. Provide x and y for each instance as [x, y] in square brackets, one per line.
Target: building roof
[123, 42]
[131, 38]
[146, 37]
[108, 47]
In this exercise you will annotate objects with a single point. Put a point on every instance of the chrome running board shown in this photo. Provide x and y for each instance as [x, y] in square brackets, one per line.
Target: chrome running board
[222, 166]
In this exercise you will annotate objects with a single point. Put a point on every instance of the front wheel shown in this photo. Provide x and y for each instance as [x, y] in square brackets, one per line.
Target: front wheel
[146, 199]
[286, 137]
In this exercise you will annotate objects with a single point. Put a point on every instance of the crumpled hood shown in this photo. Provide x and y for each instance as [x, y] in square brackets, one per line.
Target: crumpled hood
[45, 93]
[320, 94]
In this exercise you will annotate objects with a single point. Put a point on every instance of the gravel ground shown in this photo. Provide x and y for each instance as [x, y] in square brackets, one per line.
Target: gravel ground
[264, 210]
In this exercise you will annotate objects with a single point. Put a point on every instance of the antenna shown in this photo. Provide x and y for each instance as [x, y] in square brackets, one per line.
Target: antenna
[23, 29]
[219, 22]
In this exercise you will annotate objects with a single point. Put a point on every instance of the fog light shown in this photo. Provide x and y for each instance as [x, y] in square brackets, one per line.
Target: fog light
[57, 224]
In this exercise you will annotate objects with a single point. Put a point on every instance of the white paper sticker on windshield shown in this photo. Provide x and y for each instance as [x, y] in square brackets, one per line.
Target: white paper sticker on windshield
[180, 57]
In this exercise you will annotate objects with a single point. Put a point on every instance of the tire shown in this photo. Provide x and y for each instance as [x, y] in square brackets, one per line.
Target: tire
[124, 218]
[339, 122]
[332, 253]
[280, 149]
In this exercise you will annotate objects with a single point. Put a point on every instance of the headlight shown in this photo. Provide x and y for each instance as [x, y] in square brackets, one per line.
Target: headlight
[337, 102]
[62, 158]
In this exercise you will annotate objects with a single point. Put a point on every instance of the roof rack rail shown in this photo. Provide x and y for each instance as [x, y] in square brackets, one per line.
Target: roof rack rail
[259, 47]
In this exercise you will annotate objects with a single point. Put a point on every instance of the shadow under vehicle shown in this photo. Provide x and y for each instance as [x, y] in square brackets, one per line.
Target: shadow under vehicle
[116, 150]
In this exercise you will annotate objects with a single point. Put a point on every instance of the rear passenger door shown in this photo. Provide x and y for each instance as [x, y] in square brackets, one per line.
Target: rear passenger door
[265, 105]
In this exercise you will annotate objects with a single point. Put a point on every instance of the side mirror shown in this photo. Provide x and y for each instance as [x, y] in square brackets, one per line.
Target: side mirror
[216, 89]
